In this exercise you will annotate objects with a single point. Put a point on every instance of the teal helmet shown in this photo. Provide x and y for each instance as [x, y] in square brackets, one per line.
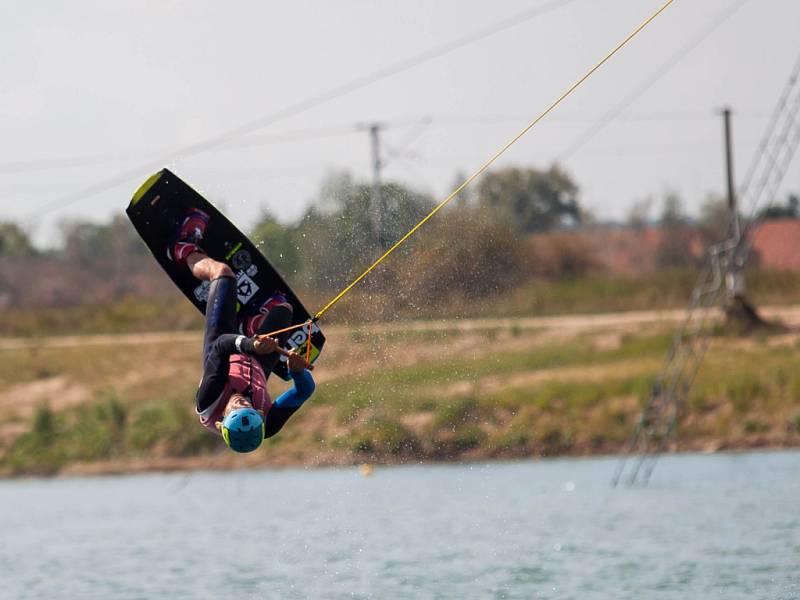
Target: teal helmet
[243, 429]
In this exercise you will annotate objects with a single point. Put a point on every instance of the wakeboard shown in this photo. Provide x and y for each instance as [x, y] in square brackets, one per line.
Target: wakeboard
[156, 211]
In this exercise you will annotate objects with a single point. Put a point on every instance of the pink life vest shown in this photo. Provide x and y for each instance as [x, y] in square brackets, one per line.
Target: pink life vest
[244, 372]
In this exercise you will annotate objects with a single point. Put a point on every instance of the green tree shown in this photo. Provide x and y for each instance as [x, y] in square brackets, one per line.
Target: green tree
[466, 255]
[714, 221]
[465, 196]
[675, 248]
[790, 210]
[530, 200]
[639, 213]
[278, 243]
[337, 236]
[92, 244]
[14, 241]
[672, 213]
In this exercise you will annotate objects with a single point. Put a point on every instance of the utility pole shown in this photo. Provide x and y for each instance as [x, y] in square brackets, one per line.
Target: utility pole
[377, 207]
[655, 430]
[734, 273]
[738, 310]
[736, 231]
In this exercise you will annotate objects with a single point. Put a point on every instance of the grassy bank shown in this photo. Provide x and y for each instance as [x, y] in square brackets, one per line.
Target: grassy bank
[588, 294]
[395, 397]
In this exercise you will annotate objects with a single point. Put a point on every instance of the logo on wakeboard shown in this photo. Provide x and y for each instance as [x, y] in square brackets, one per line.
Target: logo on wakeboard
[201, 291]
[246, 288]
[241, 260]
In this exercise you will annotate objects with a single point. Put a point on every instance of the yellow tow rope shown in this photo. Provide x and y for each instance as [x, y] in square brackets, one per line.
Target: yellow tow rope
[489, 162]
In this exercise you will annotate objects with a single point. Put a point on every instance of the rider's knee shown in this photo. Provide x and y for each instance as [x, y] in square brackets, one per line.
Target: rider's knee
[222, 270]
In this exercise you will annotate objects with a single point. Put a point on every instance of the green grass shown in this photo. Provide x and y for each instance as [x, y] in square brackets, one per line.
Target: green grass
[440, 408]
[415, 387]
[794, 423]
[104, 429]
[382, 435]
[102, 366]
[462, 423]
[131, 315]
[756, 381]
[594, 293]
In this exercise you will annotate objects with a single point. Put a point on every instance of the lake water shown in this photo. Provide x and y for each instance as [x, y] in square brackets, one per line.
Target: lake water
[716, 526]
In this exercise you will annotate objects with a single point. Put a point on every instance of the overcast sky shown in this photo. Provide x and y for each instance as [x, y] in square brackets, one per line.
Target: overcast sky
[95, 90]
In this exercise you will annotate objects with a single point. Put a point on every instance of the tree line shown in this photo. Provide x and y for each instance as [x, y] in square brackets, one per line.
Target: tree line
[479, 245]
[474, 247]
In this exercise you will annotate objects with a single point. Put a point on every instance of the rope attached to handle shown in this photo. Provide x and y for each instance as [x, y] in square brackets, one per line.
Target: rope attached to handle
[490, 161]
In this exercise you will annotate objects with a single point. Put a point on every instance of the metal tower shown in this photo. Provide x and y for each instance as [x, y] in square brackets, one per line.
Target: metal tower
[718, 279]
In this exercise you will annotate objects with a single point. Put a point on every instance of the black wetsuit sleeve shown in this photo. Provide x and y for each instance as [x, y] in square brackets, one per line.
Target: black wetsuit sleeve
[217, 366]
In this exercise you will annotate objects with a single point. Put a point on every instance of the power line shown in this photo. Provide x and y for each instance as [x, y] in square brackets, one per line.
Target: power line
[400, 149]
[88, 160]
[491, 160]
[665, 68]
[305, 105]
[395, 151]
[316, 133]
[71, 162]
[654, 117]
[66, 162]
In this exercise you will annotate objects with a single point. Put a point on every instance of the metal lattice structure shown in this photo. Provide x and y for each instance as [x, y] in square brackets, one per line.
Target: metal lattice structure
[655, 430]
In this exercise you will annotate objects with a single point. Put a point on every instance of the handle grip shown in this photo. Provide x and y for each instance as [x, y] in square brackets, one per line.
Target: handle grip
[285, 352]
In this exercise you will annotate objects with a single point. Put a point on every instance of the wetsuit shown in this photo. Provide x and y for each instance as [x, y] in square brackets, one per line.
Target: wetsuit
[231, 364]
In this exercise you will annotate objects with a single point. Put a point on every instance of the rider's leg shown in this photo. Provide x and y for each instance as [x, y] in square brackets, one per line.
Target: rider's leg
[207, 269]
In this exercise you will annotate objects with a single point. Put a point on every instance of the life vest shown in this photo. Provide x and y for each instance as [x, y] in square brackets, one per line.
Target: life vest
[245, 377]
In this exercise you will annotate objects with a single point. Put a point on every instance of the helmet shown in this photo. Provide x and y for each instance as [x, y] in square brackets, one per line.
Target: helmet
[243, 429]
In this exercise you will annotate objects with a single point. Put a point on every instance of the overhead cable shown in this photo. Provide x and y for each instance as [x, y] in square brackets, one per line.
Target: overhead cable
[303, 105]
[662, 70]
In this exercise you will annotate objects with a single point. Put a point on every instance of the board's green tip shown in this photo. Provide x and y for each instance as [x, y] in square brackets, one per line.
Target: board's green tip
[145, 186]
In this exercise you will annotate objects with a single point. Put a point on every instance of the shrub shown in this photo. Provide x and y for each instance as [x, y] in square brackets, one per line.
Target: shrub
[169, 428]
[755, 426]
[794, 422]
[468, 438]
[454, 413]
[384, 436]
[98, 430]
[744, 392]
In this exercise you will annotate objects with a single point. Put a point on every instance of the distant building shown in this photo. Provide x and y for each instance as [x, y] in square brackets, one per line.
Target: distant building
[635, 251]
[776, 244]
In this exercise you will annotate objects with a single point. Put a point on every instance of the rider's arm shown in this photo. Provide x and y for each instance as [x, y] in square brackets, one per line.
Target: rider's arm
[289, 402]
[231, 343]
[303, 388]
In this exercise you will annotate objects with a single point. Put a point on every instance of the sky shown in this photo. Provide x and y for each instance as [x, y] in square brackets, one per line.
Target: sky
[96, 96]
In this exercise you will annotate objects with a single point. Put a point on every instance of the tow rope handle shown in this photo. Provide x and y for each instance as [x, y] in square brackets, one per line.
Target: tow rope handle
[286, 353]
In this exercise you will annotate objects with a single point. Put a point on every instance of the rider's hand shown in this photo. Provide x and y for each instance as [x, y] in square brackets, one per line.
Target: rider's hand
[296, 362]
[265, 344]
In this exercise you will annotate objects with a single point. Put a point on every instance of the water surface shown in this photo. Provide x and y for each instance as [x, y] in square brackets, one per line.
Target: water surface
[716, 526]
